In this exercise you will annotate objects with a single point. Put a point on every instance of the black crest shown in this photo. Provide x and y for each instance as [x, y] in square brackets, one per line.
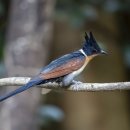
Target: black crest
[90, 45]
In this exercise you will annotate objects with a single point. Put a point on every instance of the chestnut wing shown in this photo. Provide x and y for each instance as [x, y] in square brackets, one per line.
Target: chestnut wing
[66, 67]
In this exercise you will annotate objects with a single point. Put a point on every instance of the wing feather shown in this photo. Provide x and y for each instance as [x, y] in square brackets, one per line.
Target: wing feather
[64, 69]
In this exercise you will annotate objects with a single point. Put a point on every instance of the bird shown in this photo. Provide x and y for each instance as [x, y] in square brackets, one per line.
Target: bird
[65, 68]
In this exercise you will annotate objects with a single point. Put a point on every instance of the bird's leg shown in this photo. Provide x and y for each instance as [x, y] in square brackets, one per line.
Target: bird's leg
[67, 80]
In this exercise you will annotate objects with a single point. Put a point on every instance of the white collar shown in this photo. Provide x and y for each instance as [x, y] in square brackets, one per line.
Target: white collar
[81, 50]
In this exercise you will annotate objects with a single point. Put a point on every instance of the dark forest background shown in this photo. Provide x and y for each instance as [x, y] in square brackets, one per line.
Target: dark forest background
[34, 32]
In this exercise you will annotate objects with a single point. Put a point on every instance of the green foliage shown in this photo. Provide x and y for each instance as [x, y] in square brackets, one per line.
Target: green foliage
[76, 11]
[1, 44]
[80, 11]
[3, 17]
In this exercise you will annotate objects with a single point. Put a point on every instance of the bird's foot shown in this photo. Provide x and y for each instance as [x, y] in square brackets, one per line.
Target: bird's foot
[76, 82]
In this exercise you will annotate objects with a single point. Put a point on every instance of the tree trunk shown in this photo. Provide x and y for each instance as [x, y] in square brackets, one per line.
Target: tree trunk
[27, 49]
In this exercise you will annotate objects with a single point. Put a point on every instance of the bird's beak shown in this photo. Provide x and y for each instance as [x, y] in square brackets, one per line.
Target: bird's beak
[103, 52]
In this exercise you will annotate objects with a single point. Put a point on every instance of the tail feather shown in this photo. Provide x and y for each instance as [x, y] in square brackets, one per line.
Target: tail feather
[21, 89]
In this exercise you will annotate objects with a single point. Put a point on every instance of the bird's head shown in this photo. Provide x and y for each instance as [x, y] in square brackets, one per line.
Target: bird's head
[90, 47]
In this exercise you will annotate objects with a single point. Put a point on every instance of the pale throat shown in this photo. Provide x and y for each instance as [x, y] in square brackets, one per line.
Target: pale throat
[89, 58]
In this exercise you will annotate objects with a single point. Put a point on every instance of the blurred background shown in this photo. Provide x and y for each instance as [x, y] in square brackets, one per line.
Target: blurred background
[34, 32]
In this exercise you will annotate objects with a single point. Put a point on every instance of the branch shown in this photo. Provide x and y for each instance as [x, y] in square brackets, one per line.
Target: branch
[76, 86]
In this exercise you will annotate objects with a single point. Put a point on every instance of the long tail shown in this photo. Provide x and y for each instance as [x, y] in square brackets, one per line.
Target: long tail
[30, 84]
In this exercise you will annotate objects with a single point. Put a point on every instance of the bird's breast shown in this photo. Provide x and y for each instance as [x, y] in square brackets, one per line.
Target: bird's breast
[77, 72]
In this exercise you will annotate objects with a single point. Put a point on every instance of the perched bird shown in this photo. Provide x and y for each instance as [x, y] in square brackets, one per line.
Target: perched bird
[65, 68]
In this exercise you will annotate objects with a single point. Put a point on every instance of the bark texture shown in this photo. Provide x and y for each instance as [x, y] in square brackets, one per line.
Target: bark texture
[27, 49]
[75, 86]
